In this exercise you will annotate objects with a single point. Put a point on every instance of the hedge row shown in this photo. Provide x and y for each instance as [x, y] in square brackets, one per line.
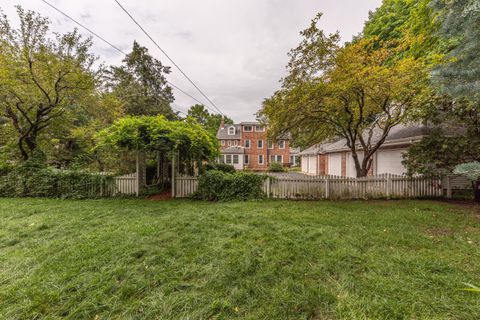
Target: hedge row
[217, 185]
[51, 183]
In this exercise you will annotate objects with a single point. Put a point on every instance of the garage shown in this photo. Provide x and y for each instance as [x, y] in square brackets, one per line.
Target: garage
[390, 161]
[335, 164]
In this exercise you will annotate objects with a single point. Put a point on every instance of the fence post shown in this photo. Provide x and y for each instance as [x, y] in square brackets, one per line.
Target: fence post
[389, 185]
[173, 175]
[268, 186]
[327, 188]
[448, 183]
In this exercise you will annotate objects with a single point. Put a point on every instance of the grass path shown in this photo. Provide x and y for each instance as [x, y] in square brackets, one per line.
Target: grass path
[136, 259]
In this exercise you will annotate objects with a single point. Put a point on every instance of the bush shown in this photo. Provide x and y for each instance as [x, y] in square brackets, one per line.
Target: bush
[28, 181]
[216, 185]
[276, 167]
[227, 168]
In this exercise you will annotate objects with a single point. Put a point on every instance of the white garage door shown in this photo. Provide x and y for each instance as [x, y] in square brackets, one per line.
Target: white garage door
[312, 165]
[390, 161]
[335, 164]
[304, 163]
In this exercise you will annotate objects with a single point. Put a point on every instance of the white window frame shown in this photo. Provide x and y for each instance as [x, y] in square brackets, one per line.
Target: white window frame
[222, 142]
[246, 159]
[270, 144]
[259, 128]
[249, 144]
[229, 131]
[281, 144]
[281, 158]
[227, 157]
[248, 126]
[258, 144]
[229, 143]
[260, 156]
[235, 159]
[235, 143]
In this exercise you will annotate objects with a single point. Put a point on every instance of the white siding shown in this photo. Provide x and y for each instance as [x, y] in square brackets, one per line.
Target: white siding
[390, 161]
[335, 164]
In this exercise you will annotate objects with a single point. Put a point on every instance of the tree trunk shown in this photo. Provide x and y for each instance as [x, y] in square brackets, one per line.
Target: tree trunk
[476, 190]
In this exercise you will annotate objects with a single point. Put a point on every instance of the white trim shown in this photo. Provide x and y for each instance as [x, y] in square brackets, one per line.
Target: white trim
[230, 128]
[280, 144]
[222, 142]
[258, 147]
[249, 144]
[270, 144]
[259, 128]
[245, 130]
[246, 159]
[263, 159]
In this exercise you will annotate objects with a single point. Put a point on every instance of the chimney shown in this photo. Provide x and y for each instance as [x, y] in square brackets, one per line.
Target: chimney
[222, 123]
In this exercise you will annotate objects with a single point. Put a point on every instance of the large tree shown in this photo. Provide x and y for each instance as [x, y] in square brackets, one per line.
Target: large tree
[459, 76]
[357, 92]
[42, 79]
[141, 85]
[209, 121]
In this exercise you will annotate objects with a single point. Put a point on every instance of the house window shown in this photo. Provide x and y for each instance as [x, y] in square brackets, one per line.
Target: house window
[270, 144]
[229, 142]
[221, 159]
[231, 131]
[260, 159]
[223, 142]
[260, 144]
[281, 144]
[292, 159]
[235, 159]
[247, 128]
[259, 128]
[228, 158]
[246, 159]
[235, 143]
[247, 144]
[274, 158]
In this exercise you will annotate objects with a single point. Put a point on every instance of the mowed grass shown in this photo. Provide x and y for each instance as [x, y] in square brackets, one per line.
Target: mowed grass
[138, 259]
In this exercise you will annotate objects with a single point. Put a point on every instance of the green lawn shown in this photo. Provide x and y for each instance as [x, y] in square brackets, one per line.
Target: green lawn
[137, 259]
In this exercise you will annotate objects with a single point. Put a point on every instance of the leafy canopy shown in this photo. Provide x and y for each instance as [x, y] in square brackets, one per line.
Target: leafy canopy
[357, 92]
[209, 121]
[156, 133]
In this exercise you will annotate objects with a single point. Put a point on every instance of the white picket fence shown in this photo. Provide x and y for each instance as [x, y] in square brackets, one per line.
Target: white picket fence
[329, 187]
[126, 184]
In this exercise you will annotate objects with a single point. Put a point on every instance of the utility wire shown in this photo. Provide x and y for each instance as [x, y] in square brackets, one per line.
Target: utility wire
[168, 57]
[119, 50]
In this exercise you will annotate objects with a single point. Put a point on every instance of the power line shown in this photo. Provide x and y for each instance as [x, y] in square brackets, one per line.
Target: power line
[168, 57]
[120, 50]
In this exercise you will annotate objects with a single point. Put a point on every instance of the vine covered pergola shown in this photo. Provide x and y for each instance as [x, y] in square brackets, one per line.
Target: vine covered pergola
[185, 143]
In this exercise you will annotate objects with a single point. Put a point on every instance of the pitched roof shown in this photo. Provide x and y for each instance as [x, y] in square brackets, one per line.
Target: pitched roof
[222, 133]
[233, 150]
[398, 134]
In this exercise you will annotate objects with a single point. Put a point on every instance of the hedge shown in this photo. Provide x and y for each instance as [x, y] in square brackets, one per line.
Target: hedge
[216, 185]
[51, 183]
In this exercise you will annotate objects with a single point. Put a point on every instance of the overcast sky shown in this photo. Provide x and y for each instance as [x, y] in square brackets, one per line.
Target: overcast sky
[235, 50]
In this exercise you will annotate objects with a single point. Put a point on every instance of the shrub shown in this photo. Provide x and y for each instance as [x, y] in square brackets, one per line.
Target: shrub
[27, 181]
[227, 168]
[216, 185]
[275, 167]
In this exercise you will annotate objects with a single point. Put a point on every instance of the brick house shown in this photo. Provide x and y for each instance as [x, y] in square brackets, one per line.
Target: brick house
[245, 145]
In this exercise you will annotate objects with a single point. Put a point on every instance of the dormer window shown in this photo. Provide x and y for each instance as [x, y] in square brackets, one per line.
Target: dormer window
[231, 131]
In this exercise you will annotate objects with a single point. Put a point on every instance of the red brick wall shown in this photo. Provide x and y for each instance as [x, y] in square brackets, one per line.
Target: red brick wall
[253, 151]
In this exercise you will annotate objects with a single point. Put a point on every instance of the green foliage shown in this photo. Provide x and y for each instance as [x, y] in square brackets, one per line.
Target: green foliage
[141, 85]
[353, 92]
[45, 81]
[209, 121]
[276, 167]
[458, 77]
[220, 186]
[33, 181]
[471, 170]
[159, 134]
[227, 168]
